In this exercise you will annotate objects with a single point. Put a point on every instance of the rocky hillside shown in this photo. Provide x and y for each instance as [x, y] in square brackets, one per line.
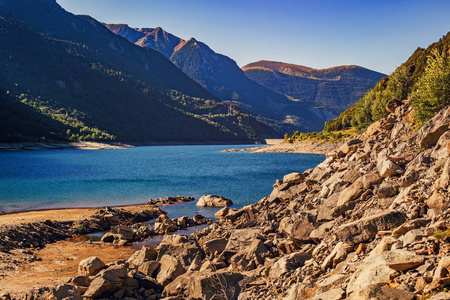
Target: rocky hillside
[370, 222]
[221, 76]
[334, 89]
[77, 80]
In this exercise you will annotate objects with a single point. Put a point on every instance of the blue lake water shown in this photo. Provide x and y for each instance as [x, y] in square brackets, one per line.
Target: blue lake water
[86, 178]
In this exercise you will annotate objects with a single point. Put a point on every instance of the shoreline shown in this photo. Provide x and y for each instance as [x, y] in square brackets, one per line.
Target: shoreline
[38, 146]
[304, 147]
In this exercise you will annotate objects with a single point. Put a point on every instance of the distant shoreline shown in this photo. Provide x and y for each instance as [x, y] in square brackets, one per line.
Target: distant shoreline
[37, 146]
[305, 147]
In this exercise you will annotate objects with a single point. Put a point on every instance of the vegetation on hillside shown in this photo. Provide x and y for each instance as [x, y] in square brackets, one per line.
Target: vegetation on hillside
[424, 78]
[317, 136]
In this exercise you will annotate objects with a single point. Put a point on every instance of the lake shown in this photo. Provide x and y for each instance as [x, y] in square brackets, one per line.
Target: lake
[92, 178]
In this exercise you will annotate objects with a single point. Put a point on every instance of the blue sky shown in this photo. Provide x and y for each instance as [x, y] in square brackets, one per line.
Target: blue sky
[376, 34]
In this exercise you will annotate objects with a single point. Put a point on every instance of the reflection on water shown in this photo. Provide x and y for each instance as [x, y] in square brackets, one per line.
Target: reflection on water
[154, 241]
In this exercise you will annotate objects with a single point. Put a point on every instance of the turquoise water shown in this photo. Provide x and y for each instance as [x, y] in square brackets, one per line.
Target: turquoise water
[83, 178]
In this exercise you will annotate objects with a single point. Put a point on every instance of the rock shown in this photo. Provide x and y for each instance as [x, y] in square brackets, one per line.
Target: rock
[334, 294]
[288, 263]
[392, 104]
[441, 149]
[338, 254]
[171, 268]
[381, 268]
[147, 253]
[444, 180]
[180, 246]
[437, 201]
[64, 291]
[240, 239]
[107, 282]
[381, 292]
[432, 130]
[126, 231]
[351, 176]
[249, 259]
[387, 189]
[383, 246]
[358, 187]
[366, 228]
[402, 260]
[208, 285]
[81, 280]
[214, 201]
[222, 212]
[293, 178]
[216, 245]
[387, 168]
[440, 296]
[443, 269]
[149, 268]
[90, 266]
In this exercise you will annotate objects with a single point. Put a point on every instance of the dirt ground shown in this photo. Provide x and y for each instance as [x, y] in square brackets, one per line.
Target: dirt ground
[21, 269]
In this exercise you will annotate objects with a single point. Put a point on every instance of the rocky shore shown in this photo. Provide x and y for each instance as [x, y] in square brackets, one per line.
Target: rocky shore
[370, 222]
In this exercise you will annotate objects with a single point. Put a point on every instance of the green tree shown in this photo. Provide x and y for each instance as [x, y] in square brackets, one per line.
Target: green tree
[432, 90]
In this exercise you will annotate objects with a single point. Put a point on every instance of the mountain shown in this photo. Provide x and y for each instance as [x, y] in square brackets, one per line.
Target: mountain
[334, 89]
[84, 82]
[221, 76]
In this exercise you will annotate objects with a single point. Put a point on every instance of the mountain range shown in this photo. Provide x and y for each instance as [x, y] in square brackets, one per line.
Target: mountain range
[284, 99]
[333, 89]
[77, 80]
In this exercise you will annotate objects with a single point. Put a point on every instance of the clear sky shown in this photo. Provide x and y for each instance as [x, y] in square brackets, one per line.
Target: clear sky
[376, 34]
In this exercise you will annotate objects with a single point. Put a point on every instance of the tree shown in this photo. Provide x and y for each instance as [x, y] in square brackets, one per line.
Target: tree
[432, 90]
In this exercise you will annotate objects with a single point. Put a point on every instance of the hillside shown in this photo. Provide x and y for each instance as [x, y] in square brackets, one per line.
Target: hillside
[334, 89]
[87, 83]
[221, 76]
[403, 83]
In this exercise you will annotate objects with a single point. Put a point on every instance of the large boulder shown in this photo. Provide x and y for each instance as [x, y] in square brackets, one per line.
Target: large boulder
[107, 282]
[90, 266]
[382, 268]
[288, 263]
[147, 253]
[240, 239]
[381, 291]
[432, 130]
[214, 201]
[367, 228]
[126, 231]
[171, 268]
[355, 190]
[221, 284]
[183, 247]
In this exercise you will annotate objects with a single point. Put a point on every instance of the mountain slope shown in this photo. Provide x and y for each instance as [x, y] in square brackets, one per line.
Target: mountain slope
[96, 85]
[333, 89]
[401, 84]
[222, 77]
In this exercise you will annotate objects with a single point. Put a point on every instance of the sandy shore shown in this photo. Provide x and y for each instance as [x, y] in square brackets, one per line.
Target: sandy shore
[313, 147]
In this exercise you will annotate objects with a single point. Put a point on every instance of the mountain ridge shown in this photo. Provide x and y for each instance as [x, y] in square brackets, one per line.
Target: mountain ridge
[334, 89]
[99, 86]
